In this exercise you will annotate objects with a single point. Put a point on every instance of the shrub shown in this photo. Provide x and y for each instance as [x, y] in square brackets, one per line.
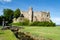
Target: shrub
[15, 24]
[37, 23]
[24, 23]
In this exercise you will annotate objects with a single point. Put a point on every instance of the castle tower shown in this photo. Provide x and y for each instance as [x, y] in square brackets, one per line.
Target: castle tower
[31, 14]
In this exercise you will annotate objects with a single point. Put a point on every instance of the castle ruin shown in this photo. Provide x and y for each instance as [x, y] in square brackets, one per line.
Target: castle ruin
[33, 16]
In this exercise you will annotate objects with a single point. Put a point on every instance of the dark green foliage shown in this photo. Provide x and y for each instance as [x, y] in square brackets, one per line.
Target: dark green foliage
[17, 13]
[24, 23]
[15, 24]
[1, 20]
[37, 23]
[8, 14]
[20, 24]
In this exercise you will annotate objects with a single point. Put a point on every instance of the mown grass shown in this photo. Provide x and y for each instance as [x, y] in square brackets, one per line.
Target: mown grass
[47, 32]
[7, 35]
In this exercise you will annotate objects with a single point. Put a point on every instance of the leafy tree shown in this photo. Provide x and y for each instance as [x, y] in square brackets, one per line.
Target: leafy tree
[17, 13]
[1, 20]
[8, 14]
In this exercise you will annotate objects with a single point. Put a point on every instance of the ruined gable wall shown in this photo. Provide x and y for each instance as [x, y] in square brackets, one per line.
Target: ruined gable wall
[37, 16]
[41, 16]
[25, 13]
[45, 16]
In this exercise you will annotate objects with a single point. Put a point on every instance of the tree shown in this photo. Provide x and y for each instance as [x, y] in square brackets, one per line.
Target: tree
[1, 20]
[17, 13]
[8, 14]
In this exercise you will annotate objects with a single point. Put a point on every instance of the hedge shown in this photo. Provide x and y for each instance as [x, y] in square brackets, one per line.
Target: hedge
[37, 23]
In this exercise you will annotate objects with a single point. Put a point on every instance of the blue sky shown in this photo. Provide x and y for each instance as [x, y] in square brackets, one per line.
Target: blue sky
[53, 6]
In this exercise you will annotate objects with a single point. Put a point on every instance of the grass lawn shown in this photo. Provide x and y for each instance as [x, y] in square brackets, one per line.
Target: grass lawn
[6, 35]
[47, 32]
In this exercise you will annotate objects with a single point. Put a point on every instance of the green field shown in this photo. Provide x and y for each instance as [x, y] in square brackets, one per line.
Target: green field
[46, 32]
[6, 35]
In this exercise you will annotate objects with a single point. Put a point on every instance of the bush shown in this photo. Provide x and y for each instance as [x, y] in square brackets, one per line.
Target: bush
[24, 23]
[37, 23]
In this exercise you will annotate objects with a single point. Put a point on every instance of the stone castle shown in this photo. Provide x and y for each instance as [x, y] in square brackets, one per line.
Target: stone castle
[33, 16]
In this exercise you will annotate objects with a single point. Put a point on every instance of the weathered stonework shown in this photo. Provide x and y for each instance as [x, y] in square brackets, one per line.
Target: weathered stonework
[33, 16]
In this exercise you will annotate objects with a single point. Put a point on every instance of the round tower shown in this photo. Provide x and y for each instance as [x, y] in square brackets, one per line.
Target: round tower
[31, 14]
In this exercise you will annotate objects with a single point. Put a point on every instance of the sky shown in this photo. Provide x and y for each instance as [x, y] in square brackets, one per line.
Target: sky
[52, 6]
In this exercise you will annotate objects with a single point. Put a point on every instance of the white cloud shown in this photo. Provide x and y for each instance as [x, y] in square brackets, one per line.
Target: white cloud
[56, 20]
[5, 0]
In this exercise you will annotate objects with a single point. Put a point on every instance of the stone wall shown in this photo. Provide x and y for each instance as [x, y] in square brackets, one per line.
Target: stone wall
[41, 16]
[34, 15]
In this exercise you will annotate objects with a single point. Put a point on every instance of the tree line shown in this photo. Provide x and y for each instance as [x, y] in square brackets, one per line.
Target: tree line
[9, 14]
